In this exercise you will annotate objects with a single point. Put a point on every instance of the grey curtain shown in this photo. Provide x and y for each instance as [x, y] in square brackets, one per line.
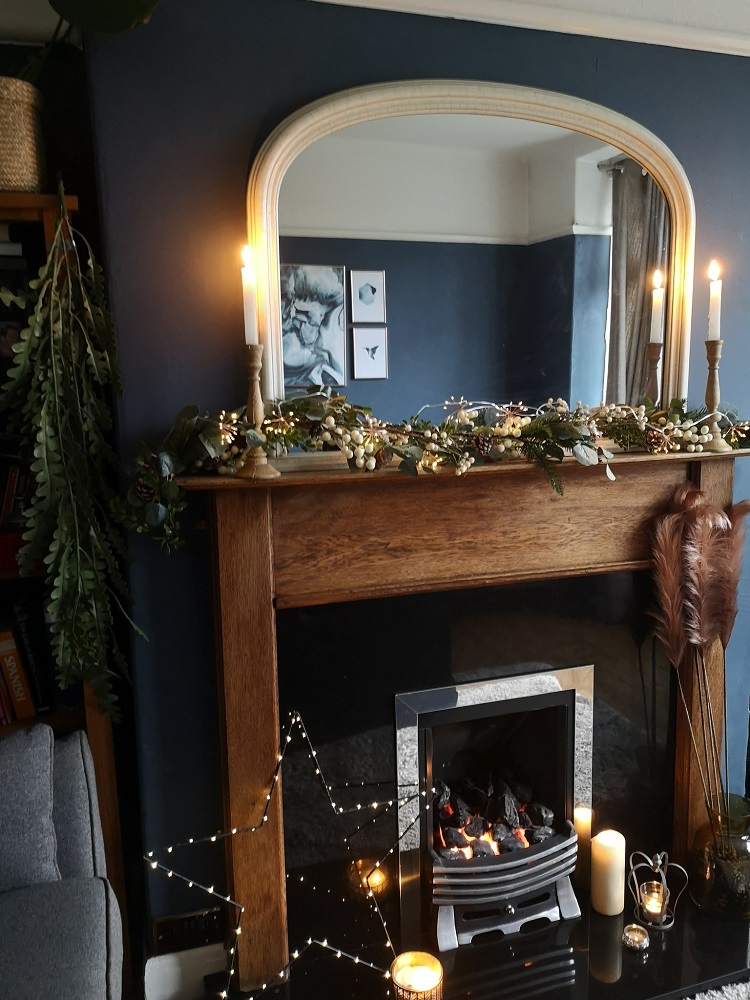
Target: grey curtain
[640, 244]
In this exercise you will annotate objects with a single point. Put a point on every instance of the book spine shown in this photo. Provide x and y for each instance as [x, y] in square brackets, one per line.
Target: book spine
[6, 715]
[9, 493]
[31, 642]
[15, 677]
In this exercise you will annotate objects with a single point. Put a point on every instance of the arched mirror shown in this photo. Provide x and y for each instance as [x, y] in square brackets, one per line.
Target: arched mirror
[515, 233]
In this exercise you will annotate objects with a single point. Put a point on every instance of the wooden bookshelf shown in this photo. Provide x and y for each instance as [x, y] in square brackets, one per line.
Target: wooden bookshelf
[17, 206]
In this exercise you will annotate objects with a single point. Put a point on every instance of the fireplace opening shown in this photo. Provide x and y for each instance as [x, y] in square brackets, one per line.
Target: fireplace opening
[506, 760]
[502, 783]
[343, 665]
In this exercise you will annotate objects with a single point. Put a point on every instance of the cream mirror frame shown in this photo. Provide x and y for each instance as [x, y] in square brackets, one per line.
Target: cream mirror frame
[385, 100]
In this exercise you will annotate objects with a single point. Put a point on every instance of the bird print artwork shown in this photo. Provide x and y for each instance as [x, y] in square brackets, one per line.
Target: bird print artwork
[371, 351]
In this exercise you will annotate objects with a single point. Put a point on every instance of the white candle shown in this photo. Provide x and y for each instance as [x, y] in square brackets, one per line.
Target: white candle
[582, 817]
[657, 310]
[582, 823]
[248, 297]
[608, 873]
[714, 305]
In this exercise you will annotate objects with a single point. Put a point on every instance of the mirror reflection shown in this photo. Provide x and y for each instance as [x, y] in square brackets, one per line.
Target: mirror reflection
[517, 258]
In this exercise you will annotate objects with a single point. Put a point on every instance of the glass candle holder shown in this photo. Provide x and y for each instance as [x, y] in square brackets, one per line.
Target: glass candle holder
[653, 898]
[417, 975]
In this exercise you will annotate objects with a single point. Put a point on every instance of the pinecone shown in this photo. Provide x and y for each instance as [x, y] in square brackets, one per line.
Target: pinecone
[383, 457]
[142, 489]
[482, 443]
[656, 440]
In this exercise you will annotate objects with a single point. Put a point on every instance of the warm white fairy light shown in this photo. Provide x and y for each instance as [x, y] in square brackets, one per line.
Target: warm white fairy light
[296, 720]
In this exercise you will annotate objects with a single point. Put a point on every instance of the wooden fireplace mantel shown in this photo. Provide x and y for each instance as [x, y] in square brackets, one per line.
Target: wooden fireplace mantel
[320, 538]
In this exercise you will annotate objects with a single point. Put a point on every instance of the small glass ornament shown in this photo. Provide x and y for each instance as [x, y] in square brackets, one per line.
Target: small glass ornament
[652, 894]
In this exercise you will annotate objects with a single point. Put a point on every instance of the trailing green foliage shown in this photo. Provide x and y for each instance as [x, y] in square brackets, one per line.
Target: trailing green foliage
[58, 399]
[469, 434]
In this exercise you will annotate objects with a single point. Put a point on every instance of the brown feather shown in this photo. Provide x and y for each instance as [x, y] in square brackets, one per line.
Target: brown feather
[731, 561]
[668, 580]
[704, 545]
[684, 497]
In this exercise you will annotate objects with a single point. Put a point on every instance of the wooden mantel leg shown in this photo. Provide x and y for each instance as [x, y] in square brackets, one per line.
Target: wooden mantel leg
[715, 479]
[246, 635]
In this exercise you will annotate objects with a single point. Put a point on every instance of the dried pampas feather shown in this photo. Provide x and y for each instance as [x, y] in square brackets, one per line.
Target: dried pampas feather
[704, 592]
[730, 569]
[668, 574]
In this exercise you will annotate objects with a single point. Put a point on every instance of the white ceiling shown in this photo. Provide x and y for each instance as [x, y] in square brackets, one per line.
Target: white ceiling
[718, 26]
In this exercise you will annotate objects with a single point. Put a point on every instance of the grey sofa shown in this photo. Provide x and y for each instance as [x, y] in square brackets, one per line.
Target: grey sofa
[60, 928]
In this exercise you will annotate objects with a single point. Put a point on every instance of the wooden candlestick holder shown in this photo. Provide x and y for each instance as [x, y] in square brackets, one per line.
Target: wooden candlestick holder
[256, 464]
[713, 397]
[653, 391]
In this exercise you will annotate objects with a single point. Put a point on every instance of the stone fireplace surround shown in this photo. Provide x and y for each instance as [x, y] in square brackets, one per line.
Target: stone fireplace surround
[312, 539]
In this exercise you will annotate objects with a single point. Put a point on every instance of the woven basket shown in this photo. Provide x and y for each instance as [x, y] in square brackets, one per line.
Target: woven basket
[21, 149]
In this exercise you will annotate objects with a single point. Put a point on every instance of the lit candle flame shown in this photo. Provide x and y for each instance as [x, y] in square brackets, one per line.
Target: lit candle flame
[714, 270]
[658, 279]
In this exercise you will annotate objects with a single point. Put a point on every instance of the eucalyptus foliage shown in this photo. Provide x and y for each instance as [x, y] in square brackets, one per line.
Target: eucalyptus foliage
[58, 397]
[468, 435]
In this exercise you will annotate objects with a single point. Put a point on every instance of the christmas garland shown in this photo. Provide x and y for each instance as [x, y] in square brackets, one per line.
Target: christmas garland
[469, 434]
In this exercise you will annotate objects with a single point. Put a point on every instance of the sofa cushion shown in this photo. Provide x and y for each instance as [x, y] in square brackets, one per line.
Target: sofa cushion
[61, 940]
[75, 811]
[27, 833]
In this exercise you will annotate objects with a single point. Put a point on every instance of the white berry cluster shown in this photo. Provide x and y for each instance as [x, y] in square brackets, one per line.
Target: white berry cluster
[611, 412]
[692, 436]
[360, 445]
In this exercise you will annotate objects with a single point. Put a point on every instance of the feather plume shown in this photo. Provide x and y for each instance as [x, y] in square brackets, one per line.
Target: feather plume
[731, 559]
[703, 547]
[668, 579]
[684, 497]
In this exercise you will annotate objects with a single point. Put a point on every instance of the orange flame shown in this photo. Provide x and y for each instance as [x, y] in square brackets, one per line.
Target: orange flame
[521, 836]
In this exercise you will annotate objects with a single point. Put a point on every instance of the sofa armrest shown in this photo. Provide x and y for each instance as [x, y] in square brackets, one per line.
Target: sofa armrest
[75, 809]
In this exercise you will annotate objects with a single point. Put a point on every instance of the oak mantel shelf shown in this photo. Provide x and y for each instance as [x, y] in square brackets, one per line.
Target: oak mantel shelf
[343, 474]
[322, 537]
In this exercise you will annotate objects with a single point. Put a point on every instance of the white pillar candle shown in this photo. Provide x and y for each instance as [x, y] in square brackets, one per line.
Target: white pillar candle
[714, 304]
[582, 823]
[582, 817]
[608, 873]
[248, 297]
[657, 310]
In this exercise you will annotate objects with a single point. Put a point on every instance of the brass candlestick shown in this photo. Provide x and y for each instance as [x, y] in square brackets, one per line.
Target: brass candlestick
[713, 397]
[256, 464]
[652, 383]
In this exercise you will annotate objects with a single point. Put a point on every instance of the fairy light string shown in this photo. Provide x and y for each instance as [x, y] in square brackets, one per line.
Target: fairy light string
[157, 860]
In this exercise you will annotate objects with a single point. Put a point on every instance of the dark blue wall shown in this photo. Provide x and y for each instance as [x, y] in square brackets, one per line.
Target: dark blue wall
[180, 108]
[483, 321]
[451, 311]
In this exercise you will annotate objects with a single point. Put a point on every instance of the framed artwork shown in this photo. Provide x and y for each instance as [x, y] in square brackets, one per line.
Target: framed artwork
[313, 325]
[368, 296]
[370, 352]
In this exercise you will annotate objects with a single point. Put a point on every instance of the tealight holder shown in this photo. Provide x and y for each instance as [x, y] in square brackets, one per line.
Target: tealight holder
[647, 881]
[417, 975]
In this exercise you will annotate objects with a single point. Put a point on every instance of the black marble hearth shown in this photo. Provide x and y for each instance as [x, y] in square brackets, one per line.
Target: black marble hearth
[574, 960]
[342, 666]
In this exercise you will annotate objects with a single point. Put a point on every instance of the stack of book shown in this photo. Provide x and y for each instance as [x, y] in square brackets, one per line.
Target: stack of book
[27, 670]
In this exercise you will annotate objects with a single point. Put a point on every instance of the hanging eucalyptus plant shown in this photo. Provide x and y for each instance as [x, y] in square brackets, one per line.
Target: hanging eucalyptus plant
[58, 396]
